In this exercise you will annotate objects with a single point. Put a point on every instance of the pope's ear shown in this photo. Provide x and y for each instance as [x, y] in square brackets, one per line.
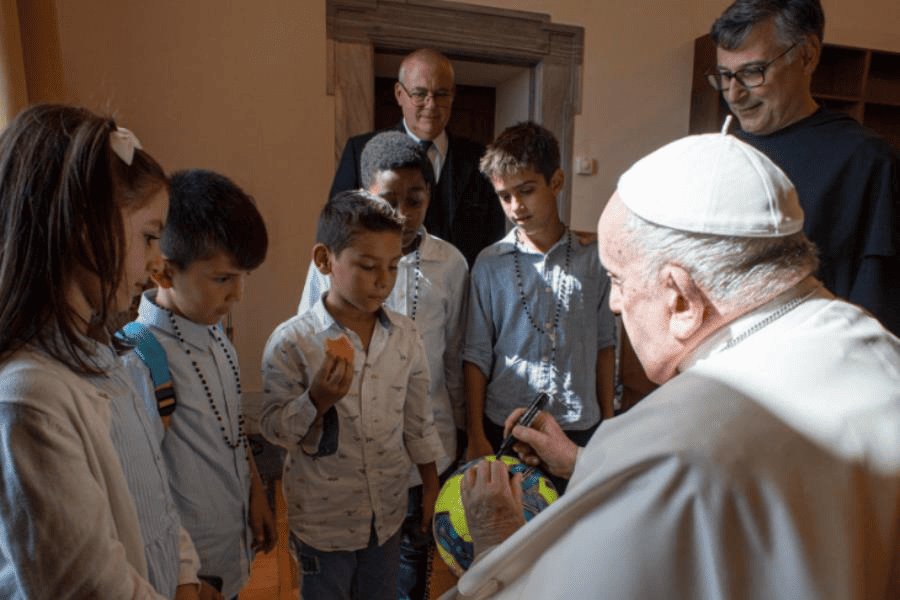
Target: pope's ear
[321, 257]
[686, 303]
[163, 277]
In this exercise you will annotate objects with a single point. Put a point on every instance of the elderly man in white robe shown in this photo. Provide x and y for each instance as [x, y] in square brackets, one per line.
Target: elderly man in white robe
[767, 465]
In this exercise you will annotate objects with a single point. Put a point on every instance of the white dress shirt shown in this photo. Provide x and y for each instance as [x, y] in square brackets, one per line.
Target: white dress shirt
[437, 151]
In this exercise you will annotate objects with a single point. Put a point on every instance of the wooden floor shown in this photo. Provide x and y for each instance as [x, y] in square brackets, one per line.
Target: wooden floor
[274, 576]
[442, 579]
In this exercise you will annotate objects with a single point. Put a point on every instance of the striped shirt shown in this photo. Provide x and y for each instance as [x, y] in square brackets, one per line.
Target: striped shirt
[210, 480]
[137, 434]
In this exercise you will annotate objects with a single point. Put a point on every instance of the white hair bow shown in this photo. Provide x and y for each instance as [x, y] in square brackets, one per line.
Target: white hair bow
[123, 142]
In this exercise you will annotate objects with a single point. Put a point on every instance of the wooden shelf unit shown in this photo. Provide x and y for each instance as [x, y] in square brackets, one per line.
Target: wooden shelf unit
[861, 82]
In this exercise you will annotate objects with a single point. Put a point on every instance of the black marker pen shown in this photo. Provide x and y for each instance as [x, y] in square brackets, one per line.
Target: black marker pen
[525, 420]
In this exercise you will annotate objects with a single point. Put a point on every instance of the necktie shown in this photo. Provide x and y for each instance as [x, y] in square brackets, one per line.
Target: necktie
[426, 145]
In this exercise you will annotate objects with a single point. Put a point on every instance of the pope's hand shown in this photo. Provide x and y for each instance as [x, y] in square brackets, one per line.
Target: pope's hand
[544, 444]
[493, 503]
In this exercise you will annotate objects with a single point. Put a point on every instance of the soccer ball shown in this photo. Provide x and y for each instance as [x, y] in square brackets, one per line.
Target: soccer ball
[451, 531]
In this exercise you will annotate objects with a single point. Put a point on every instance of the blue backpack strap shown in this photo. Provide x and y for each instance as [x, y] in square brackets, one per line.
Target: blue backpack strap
[151, 352]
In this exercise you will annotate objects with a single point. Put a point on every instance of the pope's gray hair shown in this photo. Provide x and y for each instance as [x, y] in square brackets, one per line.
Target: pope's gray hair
[733, 271]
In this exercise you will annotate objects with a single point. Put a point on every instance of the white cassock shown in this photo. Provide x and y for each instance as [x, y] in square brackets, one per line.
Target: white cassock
[768, 469]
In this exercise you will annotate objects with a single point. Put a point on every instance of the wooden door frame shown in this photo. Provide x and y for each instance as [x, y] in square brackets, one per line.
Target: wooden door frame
[553, 52]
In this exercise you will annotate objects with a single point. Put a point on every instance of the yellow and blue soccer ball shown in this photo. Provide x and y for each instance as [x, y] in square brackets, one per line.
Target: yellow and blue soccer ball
[451, 531]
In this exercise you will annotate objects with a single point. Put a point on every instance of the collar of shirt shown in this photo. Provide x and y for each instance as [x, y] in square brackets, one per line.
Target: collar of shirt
[151, 314]
[508, 244]
[719, 340]
[324, 320]
[428, 249]
[440, 143]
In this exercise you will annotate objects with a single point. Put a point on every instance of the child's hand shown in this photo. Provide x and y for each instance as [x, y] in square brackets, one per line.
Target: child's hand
[194, 591]
[429, 497]
[585, 238]
[431, 485]
[262, 522]
[187, 591]
[331, 382]
[208, 592]
[478, 446]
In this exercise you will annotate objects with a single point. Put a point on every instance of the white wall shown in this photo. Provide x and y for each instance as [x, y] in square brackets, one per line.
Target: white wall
[238, 87]
[513, 102]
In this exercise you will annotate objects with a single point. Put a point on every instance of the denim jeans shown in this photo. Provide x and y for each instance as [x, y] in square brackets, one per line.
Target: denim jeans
[367, 574]
[414, 546]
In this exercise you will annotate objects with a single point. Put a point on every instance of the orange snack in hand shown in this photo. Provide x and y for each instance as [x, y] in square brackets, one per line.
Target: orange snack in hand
[340, 347]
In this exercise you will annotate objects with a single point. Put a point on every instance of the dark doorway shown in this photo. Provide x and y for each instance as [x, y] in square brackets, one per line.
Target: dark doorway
[472, 116]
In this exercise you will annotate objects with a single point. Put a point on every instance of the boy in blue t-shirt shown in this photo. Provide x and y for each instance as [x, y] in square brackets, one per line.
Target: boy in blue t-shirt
[538, 317]
[213, 237]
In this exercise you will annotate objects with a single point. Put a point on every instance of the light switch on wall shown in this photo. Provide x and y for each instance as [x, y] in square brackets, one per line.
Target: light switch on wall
[584, 165]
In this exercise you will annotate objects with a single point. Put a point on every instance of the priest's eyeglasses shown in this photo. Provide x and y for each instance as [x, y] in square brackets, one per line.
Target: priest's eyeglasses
[748, 77]
[419, 96]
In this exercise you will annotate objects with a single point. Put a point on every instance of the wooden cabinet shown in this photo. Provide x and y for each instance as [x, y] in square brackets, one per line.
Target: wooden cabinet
[861, 82]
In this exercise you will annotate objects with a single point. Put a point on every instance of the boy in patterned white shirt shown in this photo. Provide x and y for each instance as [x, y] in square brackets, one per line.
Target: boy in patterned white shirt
[431, 289]
[352, 427]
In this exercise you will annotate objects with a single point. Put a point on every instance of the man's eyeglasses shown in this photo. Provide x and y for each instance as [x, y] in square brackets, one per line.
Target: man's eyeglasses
[748, 77]
[419, 96]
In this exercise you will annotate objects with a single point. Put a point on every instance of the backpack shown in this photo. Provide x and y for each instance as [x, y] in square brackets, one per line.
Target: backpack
[153, 355]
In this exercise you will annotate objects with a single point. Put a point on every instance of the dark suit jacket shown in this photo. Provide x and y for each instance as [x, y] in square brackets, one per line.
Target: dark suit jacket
[464, 209]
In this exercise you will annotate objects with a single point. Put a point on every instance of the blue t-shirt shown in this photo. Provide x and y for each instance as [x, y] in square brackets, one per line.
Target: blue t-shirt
[565, 293]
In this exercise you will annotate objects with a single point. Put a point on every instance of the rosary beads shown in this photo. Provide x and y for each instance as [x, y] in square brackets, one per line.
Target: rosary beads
[241, 437]
[552, 329]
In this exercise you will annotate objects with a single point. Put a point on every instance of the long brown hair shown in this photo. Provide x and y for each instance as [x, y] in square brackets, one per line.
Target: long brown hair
[61, 194]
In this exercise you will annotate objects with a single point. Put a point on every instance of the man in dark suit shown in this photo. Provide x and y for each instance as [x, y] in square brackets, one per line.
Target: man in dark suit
[464, 209]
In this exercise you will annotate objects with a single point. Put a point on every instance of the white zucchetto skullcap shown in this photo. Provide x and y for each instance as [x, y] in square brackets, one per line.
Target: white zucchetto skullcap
[713, 184]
